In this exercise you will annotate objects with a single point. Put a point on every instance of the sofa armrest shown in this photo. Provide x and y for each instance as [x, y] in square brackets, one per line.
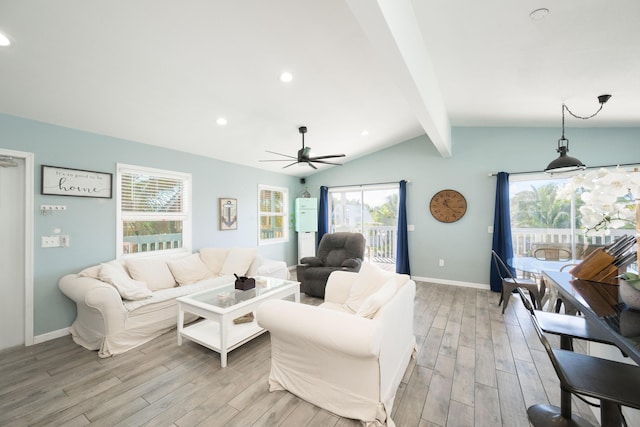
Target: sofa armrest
[312, 261]
[273, 268]
[95, 299]
[317, 326]
[353, 264]
[396, 318]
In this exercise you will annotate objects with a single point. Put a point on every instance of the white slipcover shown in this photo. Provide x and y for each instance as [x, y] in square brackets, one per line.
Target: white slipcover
[346, 364]
[111, 325]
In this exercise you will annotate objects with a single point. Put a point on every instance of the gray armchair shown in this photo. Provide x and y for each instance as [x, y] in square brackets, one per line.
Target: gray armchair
[337, 251]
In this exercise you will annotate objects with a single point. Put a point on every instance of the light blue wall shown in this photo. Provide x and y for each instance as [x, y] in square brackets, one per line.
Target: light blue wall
[463, 245]
[477, 152]
[90, 222]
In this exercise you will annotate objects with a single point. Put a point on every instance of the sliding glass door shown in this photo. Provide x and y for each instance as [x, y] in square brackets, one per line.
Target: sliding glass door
[371, 210]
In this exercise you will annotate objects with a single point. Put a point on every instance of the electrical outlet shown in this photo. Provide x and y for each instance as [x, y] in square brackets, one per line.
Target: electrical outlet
[50, 242]
[441, 263]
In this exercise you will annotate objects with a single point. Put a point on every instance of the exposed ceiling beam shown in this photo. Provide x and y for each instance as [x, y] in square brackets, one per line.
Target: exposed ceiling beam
[392, 28]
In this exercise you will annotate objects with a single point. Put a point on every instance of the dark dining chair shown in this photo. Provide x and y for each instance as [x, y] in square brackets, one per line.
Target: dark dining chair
[510, 283]
[557, 304]
[613, 383]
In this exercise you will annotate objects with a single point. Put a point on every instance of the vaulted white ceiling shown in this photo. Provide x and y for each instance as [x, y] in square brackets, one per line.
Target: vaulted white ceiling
[161, 72]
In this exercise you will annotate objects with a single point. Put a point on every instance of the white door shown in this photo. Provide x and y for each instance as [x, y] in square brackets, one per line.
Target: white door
[12, 250]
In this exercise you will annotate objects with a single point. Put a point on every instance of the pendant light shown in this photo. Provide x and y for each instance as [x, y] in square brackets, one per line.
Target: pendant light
[565, 163]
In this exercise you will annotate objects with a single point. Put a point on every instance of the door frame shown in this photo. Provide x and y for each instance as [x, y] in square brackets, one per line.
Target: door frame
[28, 240]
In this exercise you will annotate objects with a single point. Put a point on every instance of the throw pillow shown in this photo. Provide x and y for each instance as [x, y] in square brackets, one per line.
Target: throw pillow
[155, 272]
[113, 273]
[238, 261]
[372, 304]
[189, 269]
[93, 272]
[370, 279]
[214, 258]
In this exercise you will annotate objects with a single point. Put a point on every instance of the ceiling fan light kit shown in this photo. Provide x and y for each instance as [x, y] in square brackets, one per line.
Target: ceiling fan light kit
[304, 155]
[565, 163]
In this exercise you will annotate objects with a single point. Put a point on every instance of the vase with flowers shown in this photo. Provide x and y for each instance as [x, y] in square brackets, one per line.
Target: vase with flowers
[629, 290]
[611, 200]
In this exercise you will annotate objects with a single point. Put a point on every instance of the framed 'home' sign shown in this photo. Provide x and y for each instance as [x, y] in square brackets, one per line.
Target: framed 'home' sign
[75, 182]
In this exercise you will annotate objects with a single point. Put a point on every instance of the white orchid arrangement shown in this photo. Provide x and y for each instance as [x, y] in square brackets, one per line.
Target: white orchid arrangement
[609, 198]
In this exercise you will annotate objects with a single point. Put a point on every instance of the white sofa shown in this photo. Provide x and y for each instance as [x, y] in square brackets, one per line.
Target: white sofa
[123, 304]
[346, 359]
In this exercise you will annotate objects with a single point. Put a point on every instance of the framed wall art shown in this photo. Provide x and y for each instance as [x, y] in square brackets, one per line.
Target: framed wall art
[75, 182]
[228, 214]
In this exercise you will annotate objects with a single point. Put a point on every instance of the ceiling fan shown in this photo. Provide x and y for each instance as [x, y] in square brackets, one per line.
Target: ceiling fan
[303, 155]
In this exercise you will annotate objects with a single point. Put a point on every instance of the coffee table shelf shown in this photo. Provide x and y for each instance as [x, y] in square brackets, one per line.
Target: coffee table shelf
[207, 333]
[218, 307]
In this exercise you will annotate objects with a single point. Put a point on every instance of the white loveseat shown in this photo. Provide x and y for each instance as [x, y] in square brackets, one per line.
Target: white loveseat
[123, 304]
[349, 354]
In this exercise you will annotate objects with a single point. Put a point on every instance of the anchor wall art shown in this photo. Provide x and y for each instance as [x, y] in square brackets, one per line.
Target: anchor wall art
[228, 214]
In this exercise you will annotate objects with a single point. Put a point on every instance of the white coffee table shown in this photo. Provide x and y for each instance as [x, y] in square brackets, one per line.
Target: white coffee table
[218, 307]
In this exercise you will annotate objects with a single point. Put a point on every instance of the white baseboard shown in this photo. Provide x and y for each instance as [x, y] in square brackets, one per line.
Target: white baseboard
[451, 282]
[51, 335]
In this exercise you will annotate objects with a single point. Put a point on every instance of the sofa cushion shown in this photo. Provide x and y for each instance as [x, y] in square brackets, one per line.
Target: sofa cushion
[113, 273]
[214, 258]
[373, 302]
[370, 279]
[189, 269]
[238, 261]
[154, 271]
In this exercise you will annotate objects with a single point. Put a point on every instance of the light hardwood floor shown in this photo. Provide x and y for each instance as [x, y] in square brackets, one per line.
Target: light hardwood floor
[475, 367]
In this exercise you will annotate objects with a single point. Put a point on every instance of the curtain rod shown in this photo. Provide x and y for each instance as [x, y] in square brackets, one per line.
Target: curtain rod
[589, 167]
[362, 185]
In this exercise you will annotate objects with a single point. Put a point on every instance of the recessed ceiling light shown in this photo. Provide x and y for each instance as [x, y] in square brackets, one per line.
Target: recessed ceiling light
[539, 14]
[4, 40]
[221, 121]
[364, 132]
[286, 77]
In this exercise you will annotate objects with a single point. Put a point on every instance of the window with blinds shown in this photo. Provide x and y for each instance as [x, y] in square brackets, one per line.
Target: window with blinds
[154, 210]
[273, 211]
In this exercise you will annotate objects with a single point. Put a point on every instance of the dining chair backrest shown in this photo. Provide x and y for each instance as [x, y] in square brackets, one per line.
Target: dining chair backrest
[550, 351]
[501, 267]
[525, 301]
[552, 254]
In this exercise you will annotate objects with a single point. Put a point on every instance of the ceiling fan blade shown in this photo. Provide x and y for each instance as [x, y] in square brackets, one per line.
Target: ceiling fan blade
[326, 163]
[294, 163]
[280, 154]
[330, 156]
[304, 155]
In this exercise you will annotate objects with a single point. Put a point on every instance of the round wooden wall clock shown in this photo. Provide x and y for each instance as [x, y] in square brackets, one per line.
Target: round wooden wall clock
[448, 206]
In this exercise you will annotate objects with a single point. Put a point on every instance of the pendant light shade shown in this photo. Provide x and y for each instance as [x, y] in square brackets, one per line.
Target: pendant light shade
[565, 163]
